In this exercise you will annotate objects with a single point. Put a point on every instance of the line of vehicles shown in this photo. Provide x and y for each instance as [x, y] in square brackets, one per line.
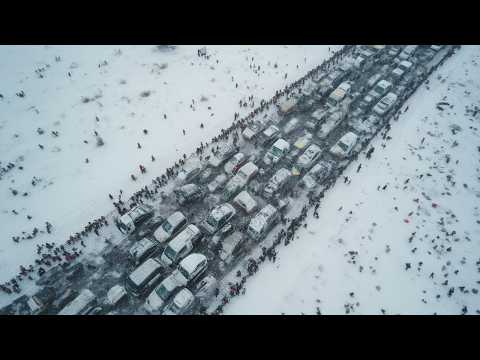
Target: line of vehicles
[222, 209]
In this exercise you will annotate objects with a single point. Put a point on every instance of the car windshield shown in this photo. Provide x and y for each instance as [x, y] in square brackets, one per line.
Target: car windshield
[170, 253]
[162, 292]
[276, 151]
[212, 221]
[343, 146]
[123, 226]
[184, 273]
[167, 226]
[379, 89]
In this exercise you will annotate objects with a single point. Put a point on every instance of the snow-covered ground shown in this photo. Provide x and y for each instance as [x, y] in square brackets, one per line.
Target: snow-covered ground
[403, 236]
[117, 92]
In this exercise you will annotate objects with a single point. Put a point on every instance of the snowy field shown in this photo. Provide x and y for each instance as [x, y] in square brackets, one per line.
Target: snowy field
[403, 237]
[55, 99]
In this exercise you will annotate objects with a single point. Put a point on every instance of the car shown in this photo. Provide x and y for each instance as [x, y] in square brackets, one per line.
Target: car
[181, 303]
[189, 193]
[317, 174]
[81, 305]
[291, 125]
[205, 176]
[231, 247]
[385, 104]
[235, 163]
[245, 202]
[286, 106]
[149, 227]
[307, 159]
[276, 152]
[261, 224]
[436, 48]
[345, 145]
[277, 182]
[374, 79]
[142, 250]
[331, 123]
[394, 50]
[408, 51]
[189, 174]
[316, 118]
[254, 129]
[221, 234]
[130, 221]
[225, 152]
[190, 269]
[405, 65]
[39, 302]
[397, 74]
[205, 288]
[303, 141]
[172, 226]
[240, 180]
[217, 218]
[181, 245]
[217, 183]
[145, 277]
[338, 94]
[382, 87]
[268, 136]
[159, 297]
[115, 295]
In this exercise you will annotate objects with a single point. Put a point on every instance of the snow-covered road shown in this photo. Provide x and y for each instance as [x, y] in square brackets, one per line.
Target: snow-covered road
[403, 236]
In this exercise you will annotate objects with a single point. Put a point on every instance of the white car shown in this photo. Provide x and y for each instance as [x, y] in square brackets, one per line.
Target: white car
[172, 226]
[181, 303]
[240, 180]
[331, 123]
[162, 293]
[205, 288]
[405, 65]
[380, 89]
[217, 218]
[345, 145]
[291, 125]
[307, 159]
[190, 268]
[145, 248]
[262, 222]
[317, 174]
[115, 294]
[276, 152]
[181, 245]
[303, 141]
[245, 201]
[385, 104]
[232, 165]
[231, 247]
[217, 183]
[277, 182]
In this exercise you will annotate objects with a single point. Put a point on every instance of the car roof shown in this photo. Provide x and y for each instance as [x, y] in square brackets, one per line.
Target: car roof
[219, 211]
[282, 144]
[183, 298]
[144, 270]
[248, 169]
[261, 218]
[349, 138]
[176, 218]
[186, 234]
[191, 262]
[246, 199]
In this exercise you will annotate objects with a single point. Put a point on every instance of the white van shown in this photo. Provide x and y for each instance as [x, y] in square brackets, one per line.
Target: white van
[345, 145]
[145, 277]
[172, 226]
[181, 245]
[276, 152]
[262, 222]
[81, 305]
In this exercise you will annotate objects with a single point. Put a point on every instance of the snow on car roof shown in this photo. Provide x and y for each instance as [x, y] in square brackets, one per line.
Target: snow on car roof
[319, 114]
[397, 71]
[188, 189]
[349, 138]
[405, 63]
[281, 144]
[170, 282]
[82, 300]
[140, 247]
[176, 218]
[303, 140]
[261, 219]
[191, 262]
[271, 130]
[188, 233]
[384, 84]
[245, 200]
[390, 98]
[143, 271]
[248, 169]
[231, 242]
[280, 175]
[286, 105]
[221, 210]
[308, 155]
[345, 86]
[183, 298]
[115, 294]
